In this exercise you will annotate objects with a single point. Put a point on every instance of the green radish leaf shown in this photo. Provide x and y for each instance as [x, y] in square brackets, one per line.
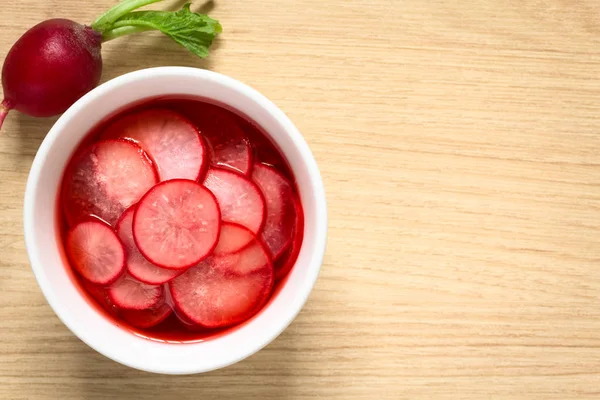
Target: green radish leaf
[193, 31]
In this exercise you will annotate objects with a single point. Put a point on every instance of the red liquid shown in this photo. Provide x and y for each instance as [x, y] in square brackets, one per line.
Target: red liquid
[172, 329]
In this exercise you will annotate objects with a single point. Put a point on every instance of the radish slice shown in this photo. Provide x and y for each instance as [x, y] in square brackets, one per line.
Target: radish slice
[149, 317]
[232, 239]
[100, 294]
[137, 266]
[169, 139]
[240, 200]
[177, 224]
[264, 150]
[285, 263]
[96, 252]
[131, 294]
[280, 223]
[105, 179]
[229, 144]
[213, 298]
[287, 260]
[244, 262]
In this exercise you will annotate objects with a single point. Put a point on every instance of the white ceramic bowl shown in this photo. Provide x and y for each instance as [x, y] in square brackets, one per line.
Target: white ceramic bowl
[42, 231]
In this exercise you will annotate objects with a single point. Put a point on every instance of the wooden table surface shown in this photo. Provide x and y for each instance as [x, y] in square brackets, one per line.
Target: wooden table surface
[459, 142]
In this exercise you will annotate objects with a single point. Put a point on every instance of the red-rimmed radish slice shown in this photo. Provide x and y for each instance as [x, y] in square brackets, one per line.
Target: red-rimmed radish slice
[149, 317]
[252, 258]
[264, 150]
[169, 138]
[177, 224]
[280, 222]
[96, 252]
[130, 294]
[240, 200]
[137, 266]
[212, 298]
[100, 294]
[233, 238]
[287, 260]
[229, 144]
[285, 263]
[105, 179]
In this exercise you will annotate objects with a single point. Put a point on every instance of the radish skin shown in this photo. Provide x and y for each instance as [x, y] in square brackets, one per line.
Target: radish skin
[67, 62]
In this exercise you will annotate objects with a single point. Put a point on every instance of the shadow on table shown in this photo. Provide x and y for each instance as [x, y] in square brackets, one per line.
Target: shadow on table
[265, 375]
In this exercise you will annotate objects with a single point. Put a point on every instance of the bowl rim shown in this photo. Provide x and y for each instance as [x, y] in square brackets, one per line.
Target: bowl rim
[252, 95]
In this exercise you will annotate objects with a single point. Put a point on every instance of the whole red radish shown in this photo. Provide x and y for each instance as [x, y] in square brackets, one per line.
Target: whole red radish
[57, 61]
[63, 63]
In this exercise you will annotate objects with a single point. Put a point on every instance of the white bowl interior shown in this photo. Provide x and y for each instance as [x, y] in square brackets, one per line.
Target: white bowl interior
[42, 232]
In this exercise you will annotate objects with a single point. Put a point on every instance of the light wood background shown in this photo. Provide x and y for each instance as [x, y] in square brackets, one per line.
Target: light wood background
[459, 142]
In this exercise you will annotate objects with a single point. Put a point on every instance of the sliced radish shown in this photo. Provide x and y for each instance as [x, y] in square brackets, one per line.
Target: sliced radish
[240, 200]
[233, 238]
[137, 266]
[100, 294]
[130, 294]
[287, 260]
[149, 317]
[280, 223]
[177, 224]
[169, 138]
[213, 298]
[285, 263]
[105, 179]
[229, 144]
[264, 149]
[252, 258]
[96, 252]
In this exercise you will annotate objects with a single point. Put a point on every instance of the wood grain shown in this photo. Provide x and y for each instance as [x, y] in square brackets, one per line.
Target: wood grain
[459, 144]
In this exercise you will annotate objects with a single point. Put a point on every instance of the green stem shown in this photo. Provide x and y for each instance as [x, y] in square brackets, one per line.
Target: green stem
[122, 31]
[105, 21]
